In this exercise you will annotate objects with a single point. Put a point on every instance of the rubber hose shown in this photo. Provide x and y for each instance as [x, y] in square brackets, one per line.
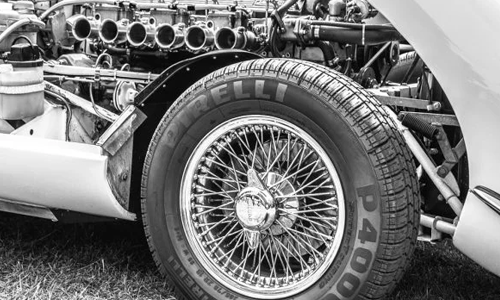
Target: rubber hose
[73, 2]
[354, 25]
[353, 36]
[328, 52]
[132, 52]
[19, 24]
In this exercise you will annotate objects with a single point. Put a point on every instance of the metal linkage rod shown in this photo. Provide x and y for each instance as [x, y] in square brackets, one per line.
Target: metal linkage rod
[428, 166]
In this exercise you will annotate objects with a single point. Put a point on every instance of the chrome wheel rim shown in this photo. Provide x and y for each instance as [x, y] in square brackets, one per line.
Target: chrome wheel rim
[262, 207]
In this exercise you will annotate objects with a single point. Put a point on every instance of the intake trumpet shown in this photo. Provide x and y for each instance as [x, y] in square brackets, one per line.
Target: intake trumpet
[113, 32]
[139, 34]
[81, 28]
[199, 37]
[238, 38]
[170, 36]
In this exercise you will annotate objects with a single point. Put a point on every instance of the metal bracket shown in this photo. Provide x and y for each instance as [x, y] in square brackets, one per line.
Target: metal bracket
[121, 130]
[450, 155]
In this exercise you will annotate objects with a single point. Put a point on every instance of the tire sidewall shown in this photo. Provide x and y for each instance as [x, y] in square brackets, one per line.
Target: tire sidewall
[197, 113]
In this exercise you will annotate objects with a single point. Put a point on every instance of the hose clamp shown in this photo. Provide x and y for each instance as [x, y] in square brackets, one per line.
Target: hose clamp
[363, 28]
[97, 74]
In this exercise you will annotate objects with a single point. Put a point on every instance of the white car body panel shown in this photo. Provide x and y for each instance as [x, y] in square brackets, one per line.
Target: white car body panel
[457, 41]
[42, 172]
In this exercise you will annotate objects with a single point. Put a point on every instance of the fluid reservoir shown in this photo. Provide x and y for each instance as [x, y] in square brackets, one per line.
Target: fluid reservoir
[21, 83]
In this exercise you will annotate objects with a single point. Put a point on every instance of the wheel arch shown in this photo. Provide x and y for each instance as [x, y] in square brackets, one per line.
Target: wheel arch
[159, 95]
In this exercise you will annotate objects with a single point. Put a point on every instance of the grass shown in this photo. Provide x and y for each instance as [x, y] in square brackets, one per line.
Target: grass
[44, 260]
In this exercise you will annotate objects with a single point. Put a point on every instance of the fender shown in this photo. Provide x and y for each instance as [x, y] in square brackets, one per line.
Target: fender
[178, 77]
[156, 98]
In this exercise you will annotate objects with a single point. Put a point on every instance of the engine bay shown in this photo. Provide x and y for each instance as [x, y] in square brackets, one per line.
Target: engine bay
[128, 43]
[72, 68]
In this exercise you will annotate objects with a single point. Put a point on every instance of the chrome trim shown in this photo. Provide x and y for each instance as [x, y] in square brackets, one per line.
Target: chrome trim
[488, 197]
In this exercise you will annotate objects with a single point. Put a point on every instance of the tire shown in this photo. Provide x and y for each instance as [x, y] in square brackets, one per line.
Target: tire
[337, 209]
[398, 72]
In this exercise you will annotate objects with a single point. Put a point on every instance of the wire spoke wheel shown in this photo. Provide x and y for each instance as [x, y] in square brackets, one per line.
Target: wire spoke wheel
[262, 206]
[279, 179]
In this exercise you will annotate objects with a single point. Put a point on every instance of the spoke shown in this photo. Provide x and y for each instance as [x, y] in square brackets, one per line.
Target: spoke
[305, 195]
[211, 208]
[231, 253]
[301, 217]
[280, 143]
[303, 158]
[244, 160]
[221, 239]
[303, 263]
[295, 238]
[227, 181]
[322, 201]
[270, 148]
[321, 235]
[284, 261]
[215, 224]
[246, 143]
[285, 178]
[236, 175]
[224, 191]
[322, 185]
[261, 259]
[259, 143]
[208, 171]
[294, 233]
[312, 210]
[223, 164]
[264, 256]
[227, 225]
[324, 219]
[309, 175]
[303, 187]
[322, 169]
[273, 261]
[213, 193]
[243, 262]
[224, 220]
[215, 208]
[288, 150]
[307, 237]
[305, 234]
[274, 161]
[234, 155]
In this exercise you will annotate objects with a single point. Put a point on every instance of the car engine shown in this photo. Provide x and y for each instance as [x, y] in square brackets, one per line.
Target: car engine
[145, 38]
